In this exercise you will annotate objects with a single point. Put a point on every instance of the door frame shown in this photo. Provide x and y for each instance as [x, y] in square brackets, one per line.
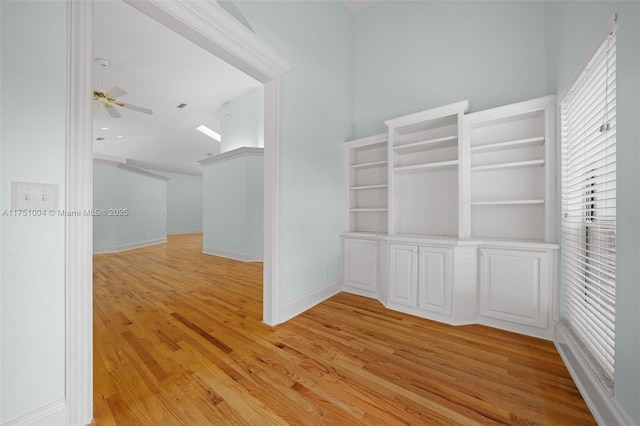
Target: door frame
[212, 28]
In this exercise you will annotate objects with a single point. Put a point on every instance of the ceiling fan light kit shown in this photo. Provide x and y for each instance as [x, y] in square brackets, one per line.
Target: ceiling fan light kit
[109, 98]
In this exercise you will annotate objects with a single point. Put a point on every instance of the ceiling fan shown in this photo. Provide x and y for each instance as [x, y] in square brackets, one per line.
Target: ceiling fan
[109, 98]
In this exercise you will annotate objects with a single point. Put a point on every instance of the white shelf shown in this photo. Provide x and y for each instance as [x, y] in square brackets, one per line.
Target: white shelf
[444, 142]
[520, 143]
[357, 188]
[427, 167]
[515, 165]
[506, 203]
[371, 164]
[368, 210]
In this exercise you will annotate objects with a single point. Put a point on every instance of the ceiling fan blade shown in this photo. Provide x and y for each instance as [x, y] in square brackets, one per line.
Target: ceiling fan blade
[112, 111]
[116, 92]
[136, 108]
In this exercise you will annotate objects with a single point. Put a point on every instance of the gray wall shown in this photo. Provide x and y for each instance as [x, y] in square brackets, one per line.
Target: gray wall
[233, 206]
[144, 198]
[242, 121]
[414, 55]
[32, 252]
[184, 203]
[316, 117]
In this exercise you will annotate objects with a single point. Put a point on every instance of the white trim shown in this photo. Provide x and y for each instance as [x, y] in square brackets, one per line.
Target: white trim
[601, 403]
[234, 153]
[129, 168]
[308, 300]
[271, 200]
[129, 246]
[79, 230]
[366, 141]
[608, 27]
[184, 233]
[242, 257]
[53, 413]
[450, 109]
[209, 26]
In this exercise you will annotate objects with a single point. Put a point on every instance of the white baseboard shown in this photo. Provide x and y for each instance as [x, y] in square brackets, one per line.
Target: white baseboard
[242, 257]
[185, 233]
[130, 246]
[308, 300]
[53, 414]
[600, 401]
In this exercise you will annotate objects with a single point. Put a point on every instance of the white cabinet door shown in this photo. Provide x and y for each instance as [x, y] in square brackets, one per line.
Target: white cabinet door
[403, 274]
[361, 264]
[434, 279]
[514, 286]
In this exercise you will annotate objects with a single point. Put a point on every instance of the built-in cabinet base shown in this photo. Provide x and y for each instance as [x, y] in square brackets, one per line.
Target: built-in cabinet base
[507, 285]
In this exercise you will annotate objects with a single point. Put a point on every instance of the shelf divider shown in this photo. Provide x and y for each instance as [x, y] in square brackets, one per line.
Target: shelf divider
[514, 165]
[519, 143]
[443, 142]
[369, 164]
[357, 188]
[427, 167]
[507, 202]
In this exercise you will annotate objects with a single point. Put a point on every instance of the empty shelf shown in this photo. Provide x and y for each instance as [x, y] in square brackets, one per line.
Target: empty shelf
[520, 143]
[515, 165]
[427, 167]
[444, 142]
[368, 165]
[381, 186]
[506, 202]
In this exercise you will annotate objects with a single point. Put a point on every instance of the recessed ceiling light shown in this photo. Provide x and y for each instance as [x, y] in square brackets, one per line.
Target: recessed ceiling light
[99, 139]
[119, 136]
[104, 128]
[181, 106]
[209, 154]
[207, 131]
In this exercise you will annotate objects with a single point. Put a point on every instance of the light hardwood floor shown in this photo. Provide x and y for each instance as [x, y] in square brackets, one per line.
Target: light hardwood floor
[178, 340]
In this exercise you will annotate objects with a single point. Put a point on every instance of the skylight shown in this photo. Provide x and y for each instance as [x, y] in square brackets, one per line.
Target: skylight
[207, 131]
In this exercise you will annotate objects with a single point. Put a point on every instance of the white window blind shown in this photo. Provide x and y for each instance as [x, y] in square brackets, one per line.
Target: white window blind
[588, 126]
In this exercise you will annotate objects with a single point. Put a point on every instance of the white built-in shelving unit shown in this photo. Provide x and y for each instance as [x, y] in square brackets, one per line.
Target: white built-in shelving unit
[511, 175]
[451, 216]
[367, 192]
[424, 151]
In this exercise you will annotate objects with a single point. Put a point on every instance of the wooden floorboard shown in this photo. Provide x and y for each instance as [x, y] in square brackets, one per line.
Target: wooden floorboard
[179, 340]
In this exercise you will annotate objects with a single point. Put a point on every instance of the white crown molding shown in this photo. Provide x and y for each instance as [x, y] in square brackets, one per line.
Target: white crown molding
[235, 153]
[366, 141]
[511, 109]
[129, 168]
[204, 21]
[456, 107]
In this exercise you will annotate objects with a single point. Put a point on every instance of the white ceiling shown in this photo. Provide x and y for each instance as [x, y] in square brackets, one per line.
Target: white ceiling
[159, 70]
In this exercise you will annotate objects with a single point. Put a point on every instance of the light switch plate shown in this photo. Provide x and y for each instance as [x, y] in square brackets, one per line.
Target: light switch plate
[34, 196]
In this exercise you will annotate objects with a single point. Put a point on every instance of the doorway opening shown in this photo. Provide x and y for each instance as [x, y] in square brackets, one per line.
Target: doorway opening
[210, 27]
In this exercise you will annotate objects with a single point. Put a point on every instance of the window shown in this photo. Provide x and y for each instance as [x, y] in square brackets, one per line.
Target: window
[588, 121]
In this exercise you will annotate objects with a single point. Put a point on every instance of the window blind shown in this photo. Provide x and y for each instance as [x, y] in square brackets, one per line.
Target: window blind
[588, 135]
